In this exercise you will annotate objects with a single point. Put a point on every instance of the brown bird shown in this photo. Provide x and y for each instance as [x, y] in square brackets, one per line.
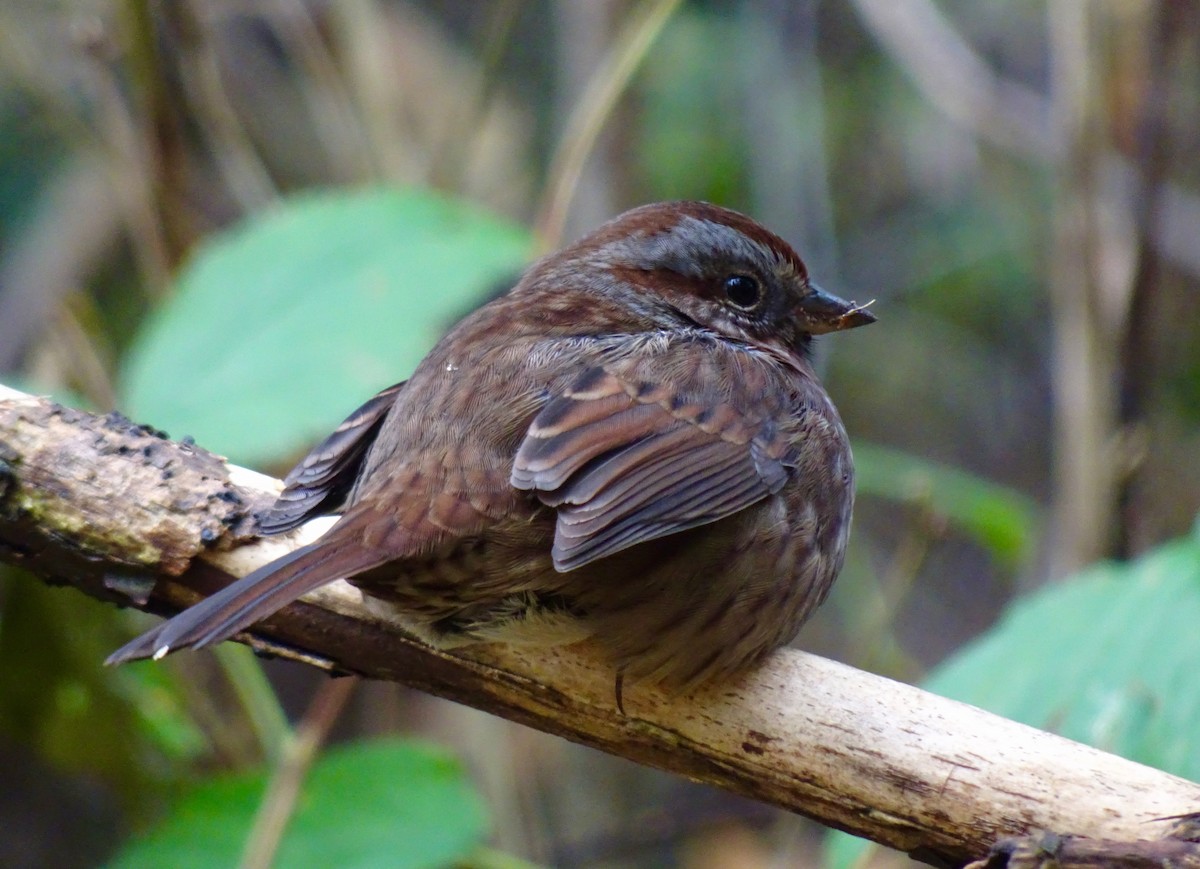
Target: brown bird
[630, 446]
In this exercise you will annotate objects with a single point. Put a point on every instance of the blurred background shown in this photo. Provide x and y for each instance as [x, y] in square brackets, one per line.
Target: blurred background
[238, 220]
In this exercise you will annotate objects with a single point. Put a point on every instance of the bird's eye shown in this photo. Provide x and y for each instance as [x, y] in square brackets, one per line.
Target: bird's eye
[743, 290]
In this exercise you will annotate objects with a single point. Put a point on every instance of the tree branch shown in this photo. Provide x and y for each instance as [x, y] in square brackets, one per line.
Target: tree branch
[123, 514]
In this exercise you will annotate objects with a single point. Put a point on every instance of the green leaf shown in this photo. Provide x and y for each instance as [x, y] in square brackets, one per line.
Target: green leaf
[391, 803]
[1107, 658]
[1000, 519]
[280, 326]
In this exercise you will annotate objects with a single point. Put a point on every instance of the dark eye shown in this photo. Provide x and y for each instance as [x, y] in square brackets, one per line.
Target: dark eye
[743, 290]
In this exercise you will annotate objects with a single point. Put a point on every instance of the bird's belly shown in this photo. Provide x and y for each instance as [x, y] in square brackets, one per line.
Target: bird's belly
[683, 609]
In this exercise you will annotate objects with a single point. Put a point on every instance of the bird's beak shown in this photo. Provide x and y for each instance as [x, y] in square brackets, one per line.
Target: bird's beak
[822, 312]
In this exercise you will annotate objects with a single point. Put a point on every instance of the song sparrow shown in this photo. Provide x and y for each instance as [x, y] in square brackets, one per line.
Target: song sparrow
[629, 446]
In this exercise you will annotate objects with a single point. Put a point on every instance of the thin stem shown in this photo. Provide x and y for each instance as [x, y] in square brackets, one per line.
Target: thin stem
[245, 174]
[127, 132]
[82, 358]
[593, 109]
[225, 735]
[323, 87]
[1139, 355]
[299, 752]
[254, 692]
[463, 135]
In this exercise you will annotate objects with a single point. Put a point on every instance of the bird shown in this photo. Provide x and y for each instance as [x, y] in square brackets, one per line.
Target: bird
[630, 447]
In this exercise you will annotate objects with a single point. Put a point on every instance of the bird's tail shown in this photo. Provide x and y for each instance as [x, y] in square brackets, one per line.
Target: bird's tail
[250, 599]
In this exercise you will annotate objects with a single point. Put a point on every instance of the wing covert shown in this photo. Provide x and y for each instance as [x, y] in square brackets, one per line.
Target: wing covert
[627, 462]
[320, 482]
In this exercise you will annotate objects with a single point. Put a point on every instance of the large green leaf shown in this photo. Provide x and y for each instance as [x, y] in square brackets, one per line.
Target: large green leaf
[392, 803]
[1107, 658]
[281, 325]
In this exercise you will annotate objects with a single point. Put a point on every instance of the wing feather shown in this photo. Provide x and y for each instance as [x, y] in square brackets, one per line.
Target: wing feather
[623, 464]
[321, 480]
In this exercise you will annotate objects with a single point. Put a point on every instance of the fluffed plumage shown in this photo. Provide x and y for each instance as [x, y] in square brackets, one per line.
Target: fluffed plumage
[630, 446]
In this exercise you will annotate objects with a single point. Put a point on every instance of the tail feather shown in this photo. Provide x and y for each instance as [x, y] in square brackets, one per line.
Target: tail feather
[252, 598]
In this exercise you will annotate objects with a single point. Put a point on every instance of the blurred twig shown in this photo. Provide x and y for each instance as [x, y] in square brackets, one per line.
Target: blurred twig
[591, 112]
[786, 129]
[83, 362]
[72, 224]
[1099, 313]
[952, 76]
[361, 37]
[583, 36]
[145, 141]
[336, 122]
[132, 162]
[958, 82]
[257, 698]
[230, 742]
[1084, 362]
[451, 159]
[245, 175]
[297, 755]
[881, 650]
[1172, 22]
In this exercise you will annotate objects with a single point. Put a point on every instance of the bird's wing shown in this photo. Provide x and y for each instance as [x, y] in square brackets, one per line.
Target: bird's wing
[321, 480]
[626, 457]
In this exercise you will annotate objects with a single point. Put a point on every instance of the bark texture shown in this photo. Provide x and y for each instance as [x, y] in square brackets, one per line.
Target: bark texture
[126, 515]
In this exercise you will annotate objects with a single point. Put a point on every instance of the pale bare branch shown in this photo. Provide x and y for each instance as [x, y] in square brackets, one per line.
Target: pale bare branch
[124, 514]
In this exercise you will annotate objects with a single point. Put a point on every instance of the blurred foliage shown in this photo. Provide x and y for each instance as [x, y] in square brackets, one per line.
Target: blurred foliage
[237, 222]
[28, 153]
[691, 150]
[999, 518]
[389, 803]
[124, 727]
[341, 292]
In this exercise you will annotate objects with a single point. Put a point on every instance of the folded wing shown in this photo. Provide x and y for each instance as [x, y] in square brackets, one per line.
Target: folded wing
[321, 481]
[625, 462]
